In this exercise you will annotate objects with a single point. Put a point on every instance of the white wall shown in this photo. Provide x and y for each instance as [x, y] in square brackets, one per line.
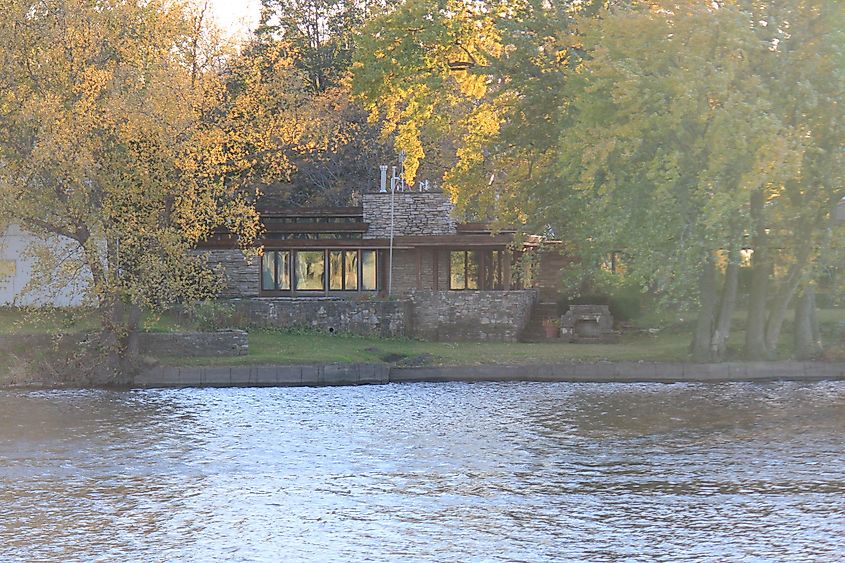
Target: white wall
[13, 245]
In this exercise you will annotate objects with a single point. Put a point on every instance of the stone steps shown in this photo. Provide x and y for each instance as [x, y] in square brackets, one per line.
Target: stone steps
[534, 331]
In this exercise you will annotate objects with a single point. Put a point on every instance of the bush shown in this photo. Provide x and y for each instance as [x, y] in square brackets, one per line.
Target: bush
[212, 315]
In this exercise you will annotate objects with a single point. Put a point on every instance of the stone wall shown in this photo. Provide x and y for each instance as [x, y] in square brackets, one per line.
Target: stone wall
[241, 276]
[405, 270]
[177, 344]
[471, 315]
[382, 318]
[415, 214]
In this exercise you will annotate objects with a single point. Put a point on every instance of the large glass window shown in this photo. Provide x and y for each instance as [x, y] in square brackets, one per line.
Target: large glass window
[463, 269]
[318, 270]
[492, 270]
[369, 279]
[343, 270]
[350, 270]
[336, 270]
[275, 270]
[310, 270]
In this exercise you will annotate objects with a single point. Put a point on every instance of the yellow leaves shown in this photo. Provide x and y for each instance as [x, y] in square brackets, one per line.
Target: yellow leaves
[408, 139]
[472, 85]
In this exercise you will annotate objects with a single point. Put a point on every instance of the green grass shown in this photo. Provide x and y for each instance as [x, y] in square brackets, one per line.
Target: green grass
[35, 321]
[31, 321]
[275, 347]
[281, 347]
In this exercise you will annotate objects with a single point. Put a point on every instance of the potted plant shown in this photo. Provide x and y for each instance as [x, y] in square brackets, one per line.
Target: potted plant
[552, 327]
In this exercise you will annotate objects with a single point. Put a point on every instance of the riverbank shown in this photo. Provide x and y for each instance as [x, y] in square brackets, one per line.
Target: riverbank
[315, 375]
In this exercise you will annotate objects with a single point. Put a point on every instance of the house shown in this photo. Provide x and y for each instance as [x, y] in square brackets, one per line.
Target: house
[397, 265]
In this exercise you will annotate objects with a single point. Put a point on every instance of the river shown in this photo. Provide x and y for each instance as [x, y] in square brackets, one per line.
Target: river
[426, 472]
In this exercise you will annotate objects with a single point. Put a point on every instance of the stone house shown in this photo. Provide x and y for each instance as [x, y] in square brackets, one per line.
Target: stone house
[339, 269]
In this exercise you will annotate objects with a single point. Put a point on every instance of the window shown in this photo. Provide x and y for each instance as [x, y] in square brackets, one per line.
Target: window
[310, 270]
[275, 270]
[463, 269]
[319, 270]
[343, 270]
[492, 278]
[369, 279]
[8, 268]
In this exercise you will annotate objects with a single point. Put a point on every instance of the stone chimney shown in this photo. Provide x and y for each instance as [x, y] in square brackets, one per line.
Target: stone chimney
[415, 214]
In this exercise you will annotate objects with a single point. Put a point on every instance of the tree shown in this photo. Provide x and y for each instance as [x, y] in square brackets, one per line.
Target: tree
[320, 34]
[481, 80]
[804, 78]
[691, 135]
[670, 147]
[104, 143]
[302, 147]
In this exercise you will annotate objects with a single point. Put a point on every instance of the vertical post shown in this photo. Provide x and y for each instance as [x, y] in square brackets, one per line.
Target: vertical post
[383, 179]
[393, 182]
[419, 268]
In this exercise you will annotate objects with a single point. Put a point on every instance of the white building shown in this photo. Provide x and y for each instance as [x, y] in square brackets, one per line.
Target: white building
[16, 270]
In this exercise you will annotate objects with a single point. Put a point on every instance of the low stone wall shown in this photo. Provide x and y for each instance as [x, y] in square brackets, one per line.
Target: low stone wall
[471, 315]
[382, 318]
[180, 344]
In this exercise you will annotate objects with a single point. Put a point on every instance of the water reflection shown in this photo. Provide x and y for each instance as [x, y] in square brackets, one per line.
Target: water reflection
[492, 472]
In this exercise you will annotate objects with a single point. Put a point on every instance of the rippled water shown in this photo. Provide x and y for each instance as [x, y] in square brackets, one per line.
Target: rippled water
[445, 472]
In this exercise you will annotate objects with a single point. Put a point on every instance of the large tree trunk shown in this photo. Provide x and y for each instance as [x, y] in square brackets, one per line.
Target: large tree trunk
[808, 343]
[707, 312]
[780, 305]
[755, 332]
[719, 344]
[131, 352]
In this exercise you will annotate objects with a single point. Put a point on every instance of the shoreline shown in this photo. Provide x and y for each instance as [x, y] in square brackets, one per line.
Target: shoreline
[320, 375]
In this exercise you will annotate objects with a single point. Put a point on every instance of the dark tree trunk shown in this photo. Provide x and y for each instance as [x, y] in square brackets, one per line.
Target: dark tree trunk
[707, 312]
[131, 350]
[808, 344]
[755, 332]
[780, 305]
[719, 345]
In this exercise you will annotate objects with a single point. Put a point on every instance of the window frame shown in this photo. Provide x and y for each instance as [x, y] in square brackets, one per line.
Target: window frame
[348, 255]
[276, 286]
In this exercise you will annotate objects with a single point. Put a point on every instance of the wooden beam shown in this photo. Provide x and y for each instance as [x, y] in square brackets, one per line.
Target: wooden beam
[419, 268]
[435, 268]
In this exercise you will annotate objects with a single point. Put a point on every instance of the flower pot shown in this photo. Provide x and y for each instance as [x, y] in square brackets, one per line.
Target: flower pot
[552, 331]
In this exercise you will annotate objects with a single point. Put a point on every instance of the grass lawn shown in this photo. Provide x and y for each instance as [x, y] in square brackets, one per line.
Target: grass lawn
[281, 347]
[28, 321]
[276, 347]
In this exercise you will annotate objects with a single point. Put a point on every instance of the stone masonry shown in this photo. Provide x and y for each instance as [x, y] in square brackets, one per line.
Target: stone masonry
[180, 344]
[471, 315]
[241, 276]
[365, 317]
[415, 214]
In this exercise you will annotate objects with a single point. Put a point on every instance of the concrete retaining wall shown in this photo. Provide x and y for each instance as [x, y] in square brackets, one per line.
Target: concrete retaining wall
[628, 372]
[600, 372]
[265, 376]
